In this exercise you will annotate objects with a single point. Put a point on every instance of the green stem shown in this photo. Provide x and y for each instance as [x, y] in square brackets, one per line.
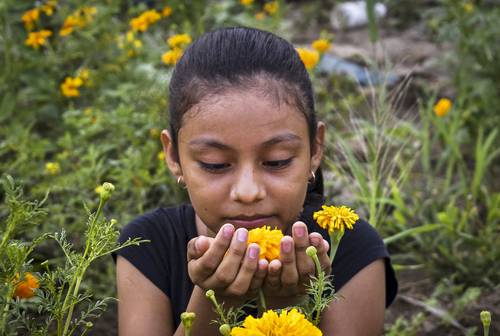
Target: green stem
[262, 300]
[486, 331]
[75, 282]
[5, 312]
[321, 285]
[72, 305]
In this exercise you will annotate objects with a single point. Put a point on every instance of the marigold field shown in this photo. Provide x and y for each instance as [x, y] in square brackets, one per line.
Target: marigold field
[411, 102]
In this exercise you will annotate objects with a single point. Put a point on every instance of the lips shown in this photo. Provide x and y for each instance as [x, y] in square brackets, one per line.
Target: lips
[250, 222]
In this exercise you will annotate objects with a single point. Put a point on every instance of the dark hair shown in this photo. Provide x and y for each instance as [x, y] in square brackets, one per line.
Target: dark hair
[243, 58]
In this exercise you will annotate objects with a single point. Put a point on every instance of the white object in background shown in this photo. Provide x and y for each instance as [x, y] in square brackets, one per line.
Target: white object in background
[352, 14]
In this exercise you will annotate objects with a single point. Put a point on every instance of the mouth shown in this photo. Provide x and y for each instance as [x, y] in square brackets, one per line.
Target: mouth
[250, 222]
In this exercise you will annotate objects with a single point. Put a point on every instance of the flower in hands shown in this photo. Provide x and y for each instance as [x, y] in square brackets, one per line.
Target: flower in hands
[268, 240]
[272, 323]
[335, 218]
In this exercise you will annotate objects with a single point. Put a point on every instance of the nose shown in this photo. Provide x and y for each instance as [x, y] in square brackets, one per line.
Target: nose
[247, 188]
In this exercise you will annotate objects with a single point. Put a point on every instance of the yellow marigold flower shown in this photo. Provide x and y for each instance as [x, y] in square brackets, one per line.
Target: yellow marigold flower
[143, 21]
[137, 44]
[468, 7]
[52, 168]
[161, 156]
[30, 17]
[335, 218]
[99, 189]
[268, 241]
[286, 322]
[442, 107]
[154, 133]
[130, 36]
[38, 38]
[25, 288]
[70, 86]
[48, 7]
[260, 16]
[166, 11]
[171, 57]
[271, 8]
[179, 40]
[246, 2]
[309, 57]
[69, 25]
[321, 45]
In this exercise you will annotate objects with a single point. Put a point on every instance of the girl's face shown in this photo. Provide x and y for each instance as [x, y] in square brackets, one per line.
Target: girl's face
[245, 160]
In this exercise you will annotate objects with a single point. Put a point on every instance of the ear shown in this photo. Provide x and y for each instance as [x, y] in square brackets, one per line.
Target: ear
[317, 146]
[171, 157]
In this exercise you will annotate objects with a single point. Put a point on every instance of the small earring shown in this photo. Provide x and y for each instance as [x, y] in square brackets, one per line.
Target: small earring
[313, 177]
[180, 181]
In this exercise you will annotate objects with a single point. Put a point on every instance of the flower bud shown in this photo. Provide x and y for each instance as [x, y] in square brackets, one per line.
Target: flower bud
[225, 330]
[210, 293]
[485, 318]
[187, 319]
[311, 251]
[89, 325]
[106, 191]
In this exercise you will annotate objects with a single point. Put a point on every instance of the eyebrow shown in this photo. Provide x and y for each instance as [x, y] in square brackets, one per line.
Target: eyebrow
[287, 137]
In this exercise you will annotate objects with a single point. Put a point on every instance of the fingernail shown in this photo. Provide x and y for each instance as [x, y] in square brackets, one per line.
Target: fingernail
[300, 231]
[287, 246]
[241, 235]
[253, 252]
[315, 241]
[227, 231]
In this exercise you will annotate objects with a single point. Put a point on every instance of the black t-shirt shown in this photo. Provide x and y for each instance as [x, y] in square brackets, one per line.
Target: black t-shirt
[164, 260]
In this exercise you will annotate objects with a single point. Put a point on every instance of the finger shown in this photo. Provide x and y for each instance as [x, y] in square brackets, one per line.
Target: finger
[289, 275]
[206, 265]
[228, 268]
[197, 247]
[305, 266]
[322, 247]
[272, 281]
[241, 283]
[260, 275]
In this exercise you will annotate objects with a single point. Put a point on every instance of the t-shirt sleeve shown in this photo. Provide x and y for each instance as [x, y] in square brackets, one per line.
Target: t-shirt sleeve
[357, 249]
[147, 257]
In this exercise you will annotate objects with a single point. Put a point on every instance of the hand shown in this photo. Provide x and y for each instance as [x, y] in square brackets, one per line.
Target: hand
[289, 275]
[225, 264]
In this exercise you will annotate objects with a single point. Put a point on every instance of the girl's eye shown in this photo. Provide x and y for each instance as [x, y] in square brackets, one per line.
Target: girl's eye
[278, 164]
[214, 167]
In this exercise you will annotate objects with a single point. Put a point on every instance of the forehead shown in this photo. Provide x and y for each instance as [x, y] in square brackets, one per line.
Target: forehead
[242, 118]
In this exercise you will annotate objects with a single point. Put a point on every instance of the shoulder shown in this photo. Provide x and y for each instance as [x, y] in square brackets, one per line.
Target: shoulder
[359, 248]
[167, 231]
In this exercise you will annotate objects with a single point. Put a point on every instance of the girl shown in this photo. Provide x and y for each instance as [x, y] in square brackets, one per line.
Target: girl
[244, 142]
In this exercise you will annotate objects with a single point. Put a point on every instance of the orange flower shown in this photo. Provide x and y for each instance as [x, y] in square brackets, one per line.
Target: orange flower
[38, 38]
[171, 57]
[268, 241]
[70, 86]
[25, 288]
[166, 11]
[309, 57]
[30, 17]
[321, 45]
[442, 107]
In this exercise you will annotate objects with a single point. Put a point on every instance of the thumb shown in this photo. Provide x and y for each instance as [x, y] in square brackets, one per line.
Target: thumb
[197, 247]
